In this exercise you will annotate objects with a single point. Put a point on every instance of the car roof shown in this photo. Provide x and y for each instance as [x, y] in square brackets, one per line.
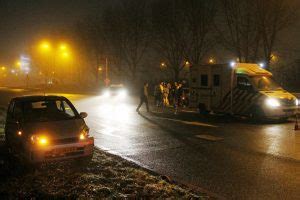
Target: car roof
[116, 86]
[38, 98]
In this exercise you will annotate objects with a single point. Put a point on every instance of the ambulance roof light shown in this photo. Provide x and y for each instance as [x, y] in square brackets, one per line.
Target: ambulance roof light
[262, 65]
[232, 64]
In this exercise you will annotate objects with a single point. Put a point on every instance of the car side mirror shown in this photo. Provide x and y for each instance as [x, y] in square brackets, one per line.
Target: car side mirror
[83, 115]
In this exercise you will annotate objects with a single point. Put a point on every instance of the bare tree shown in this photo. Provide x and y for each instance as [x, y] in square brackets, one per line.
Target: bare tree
[169, 32]
[240, 33]
[90, 35]
[251, 28]
[199, 15]
[273, 16]
[127, 33]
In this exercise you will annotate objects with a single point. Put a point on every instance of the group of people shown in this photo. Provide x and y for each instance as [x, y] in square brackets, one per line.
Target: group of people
[165, 95]
[168, 94]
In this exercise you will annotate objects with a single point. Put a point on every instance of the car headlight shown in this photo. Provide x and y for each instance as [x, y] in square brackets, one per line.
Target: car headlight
[40, 140]
[274, 103]
[84, 134]
[122, 93]
[106, 93]
[297, 102]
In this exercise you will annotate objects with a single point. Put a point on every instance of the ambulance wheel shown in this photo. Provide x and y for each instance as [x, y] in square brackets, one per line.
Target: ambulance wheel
[257, 113]
[202, 109]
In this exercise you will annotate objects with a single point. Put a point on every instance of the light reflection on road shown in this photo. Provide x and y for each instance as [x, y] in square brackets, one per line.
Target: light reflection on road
[112, 121]
[278, 139]
[115, 121]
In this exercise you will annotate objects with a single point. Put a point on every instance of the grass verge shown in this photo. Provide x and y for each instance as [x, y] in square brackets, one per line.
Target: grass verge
[105, 177]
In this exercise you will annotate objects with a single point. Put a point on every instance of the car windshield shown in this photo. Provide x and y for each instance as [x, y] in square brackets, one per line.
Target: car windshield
[265, 83]
[49, 110]
[115, 88]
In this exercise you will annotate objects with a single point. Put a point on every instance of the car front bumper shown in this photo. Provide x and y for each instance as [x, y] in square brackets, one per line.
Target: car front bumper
[59, 152]
[281, 112]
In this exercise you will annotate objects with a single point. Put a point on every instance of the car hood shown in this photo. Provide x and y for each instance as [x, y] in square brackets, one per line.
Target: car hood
[55, 129]
[279, 94]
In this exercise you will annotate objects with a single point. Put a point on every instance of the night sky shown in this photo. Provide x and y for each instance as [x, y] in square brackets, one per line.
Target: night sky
[23, 20]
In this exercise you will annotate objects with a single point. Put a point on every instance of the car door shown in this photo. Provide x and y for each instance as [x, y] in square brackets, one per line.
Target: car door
[12, 126]
[242, 98]
[216, 91]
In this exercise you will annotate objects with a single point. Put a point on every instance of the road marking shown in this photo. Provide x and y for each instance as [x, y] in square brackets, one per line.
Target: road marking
[209, 137]
[188, 122]
[188, 111]
[158, 112]
[108, 132]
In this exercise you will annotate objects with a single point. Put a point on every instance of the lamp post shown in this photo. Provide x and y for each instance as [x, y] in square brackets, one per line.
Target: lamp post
[53, 54]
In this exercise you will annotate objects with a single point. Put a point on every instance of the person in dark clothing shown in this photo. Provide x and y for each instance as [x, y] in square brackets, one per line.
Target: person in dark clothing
[158, 96]
[177, 96]
[143, 97]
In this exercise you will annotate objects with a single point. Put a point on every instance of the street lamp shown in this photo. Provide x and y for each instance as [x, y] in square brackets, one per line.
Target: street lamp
[65, 55]
[163, 65]
[274, 58]
[61, 52]
[45, 46]
[211, 61]
[63, 47]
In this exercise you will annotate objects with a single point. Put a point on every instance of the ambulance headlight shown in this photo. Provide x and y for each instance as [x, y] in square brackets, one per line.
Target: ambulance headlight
[273, 103]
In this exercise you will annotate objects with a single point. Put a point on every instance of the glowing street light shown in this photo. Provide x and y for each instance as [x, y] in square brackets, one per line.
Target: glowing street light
[99, 69]
[65, 55]
[211, 61]
[18, 63]
[163, 65]
[45, 46]
[187, 63]
[3, 68]
[274, 58]
[63, 47]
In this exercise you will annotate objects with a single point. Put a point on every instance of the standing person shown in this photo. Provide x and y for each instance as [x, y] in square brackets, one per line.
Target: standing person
[143, 97]
[177, 96]
[157, 95]
[161, 86]
[166, 95]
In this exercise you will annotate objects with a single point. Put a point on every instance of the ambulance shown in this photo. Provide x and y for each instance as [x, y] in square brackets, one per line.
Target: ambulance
[239, 89]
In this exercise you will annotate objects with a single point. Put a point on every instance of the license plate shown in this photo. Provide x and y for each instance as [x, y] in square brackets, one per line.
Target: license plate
[64, 150]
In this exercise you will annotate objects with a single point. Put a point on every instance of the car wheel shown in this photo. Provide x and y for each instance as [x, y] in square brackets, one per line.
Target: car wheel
[202, 109]
[257, 114]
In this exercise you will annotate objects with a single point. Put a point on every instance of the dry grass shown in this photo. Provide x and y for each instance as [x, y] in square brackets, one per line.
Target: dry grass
[106, 177]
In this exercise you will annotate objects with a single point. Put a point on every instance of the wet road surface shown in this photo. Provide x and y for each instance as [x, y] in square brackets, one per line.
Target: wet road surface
[232, 158]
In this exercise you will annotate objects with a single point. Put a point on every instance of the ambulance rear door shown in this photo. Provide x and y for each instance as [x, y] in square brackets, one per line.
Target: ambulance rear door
[216, 86]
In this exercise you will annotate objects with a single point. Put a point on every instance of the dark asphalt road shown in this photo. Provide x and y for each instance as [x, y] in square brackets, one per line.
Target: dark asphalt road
[233, 158]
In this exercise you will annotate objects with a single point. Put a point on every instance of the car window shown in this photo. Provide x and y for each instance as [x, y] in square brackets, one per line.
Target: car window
[11, 108]
[17, 113]
[204, 80]
[243, 83]
[48, 110]
[63, 106]
[265, 83]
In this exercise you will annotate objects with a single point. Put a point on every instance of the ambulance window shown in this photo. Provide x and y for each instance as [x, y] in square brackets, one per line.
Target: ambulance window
[216, 80]
[243, 83]
[204, 80]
